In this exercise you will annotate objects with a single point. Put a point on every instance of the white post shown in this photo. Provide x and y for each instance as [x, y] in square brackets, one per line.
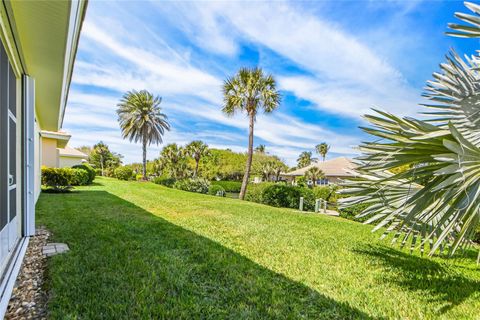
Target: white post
[301, 204]
[317, 205]
[324, 206]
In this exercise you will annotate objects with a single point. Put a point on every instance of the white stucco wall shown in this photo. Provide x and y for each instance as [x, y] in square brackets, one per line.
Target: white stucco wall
[69, 161]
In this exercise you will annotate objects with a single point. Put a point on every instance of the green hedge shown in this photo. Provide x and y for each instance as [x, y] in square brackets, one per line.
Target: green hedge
[90, 170]
[199, 185]
[228, 186]
[216, 189]
[164, 181]
[80, 177]
[57, 179]
[255, 191]
[123, 173]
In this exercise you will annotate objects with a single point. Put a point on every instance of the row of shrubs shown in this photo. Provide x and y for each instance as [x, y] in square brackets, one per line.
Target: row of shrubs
[229, 186]
[199, 185]
[63, 179]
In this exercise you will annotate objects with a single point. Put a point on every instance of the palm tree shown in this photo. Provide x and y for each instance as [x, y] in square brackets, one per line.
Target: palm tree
[260, 148]
[435, 199]
[196, 149]
[172, 158]
[250, 91]
[322, 149]
[314, 174]
[304, 159]
[141, 119]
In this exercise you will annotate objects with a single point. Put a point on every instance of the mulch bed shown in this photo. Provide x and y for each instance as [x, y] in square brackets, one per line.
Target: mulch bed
[29, 299]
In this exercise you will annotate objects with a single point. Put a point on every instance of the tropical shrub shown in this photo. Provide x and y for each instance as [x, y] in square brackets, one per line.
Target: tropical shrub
[139, 177]
[255, 191]
[282, 196]
[199, 185]
[435, 199]
[228, 186]
[216, 189]
[57, 179]
[352, 212]
[90, 170]
[124, 173]
[164, 181]
[80, 177]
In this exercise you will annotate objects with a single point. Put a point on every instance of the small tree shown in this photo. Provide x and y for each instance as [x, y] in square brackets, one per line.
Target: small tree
[172, 158]
[103, 158]
[314, 174]
[260, 148]
[196, 149]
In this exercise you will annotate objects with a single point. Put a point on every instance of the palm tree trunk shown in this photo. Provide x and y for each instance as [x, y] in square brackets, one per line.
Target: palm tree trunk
[101, 164]
[196, 168]
[246, 176]
[144, 169]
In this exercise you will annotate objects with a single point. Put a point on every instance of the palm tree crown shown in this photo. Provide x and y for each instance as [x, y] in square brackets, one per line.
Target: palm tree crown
[304, 159]
[141, 119]
[196, 149]
[250, 91]
[322, 149]
[314, 174]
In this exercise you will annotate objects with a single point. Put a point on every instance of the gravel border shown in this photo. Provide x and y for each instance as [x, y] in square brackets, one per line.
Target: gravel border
[29, 299]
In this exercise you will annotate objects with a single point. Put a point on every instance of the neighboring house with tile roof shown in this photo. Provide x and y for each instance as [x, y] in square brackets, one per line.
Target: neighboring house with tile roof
[335, 170]
[69, 157]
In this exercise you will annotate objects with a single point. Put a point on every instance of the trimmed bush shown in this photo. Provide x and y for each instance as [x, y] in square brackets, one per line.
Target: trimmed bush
[167, 182]
[228, 186]
[216, 189]
[282, 196]
[57, 179]
[328, 193]
[255, 191]
[91, 172]
[80, 177]
[139, 176]
[123, 173]
[199, 185]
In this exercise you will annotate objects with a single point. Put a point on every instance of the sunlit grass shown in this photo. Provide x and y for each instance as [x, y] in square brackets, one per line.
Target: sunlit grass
[140, 250]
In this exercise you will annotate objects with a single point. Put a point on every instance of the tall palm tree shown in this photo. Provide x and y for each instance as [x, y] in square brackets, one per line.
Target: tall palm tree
[196, 149]
[435, 199]
[141, 120]
[260, 148]
[250, 91]
[322, 149]
[314, 174]
[304, 159]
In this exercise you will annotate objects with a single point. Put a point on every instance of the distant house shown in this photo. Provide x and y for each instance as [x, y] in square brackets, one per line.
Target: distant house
[69, 157]
[334, 170]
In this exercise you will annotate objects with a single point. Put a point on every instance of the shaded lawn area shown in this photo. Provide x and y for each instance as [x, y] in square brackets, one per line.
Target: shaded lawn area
[140, 250]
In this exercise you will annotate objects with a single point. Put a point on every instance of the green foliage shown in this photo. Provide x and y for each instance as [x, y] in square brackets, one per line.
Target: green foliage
[228, 186]
[322, 149]
[80, 177]
[174, 162]
[90, 170]
[314, 174]
[138, 176]
[165, 181]
[104, 159]
[304, 159]
[199, 185]
[352, 212]
[124, 173]
[57, 179]
[255, 191]
[216, 189]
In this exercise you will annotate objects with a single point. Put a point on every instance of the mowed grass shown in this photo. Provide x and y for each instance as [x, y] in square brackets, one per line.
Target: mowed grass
[143, 251]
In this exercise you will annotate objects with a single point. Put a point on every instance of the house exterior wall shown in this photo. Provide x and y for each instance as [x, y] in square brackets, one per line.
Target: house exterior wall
[49, 152]
[65, 161]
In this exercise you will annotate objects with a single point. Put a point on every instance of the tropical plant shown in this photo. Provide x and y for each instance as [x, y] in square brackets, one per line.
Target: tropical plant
[100, 155]
[260, 148]
[252, 91]
[322, 149]
[314, 174]
[173, 161]
[435, 198]
[304, 159]
[141, 120]
[196, 149]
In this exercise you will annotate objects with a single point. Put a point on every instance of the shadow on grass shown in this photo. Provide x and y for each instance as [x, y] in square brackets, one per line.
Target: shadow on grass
[442, 285]
[127, 263]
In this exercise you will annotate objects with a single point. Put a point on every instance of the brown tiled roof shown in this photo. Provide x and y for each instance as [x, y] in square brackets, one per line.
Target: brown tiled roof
[337, 167]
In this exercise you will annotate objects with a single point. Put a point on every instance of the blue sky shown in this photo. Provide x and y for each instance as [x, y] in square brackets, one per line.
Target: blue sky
[332, 62]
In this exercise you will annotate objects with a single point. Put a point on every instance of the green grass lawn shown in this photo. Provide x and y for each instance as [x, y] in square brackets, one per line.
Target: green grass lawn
[143, 251]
